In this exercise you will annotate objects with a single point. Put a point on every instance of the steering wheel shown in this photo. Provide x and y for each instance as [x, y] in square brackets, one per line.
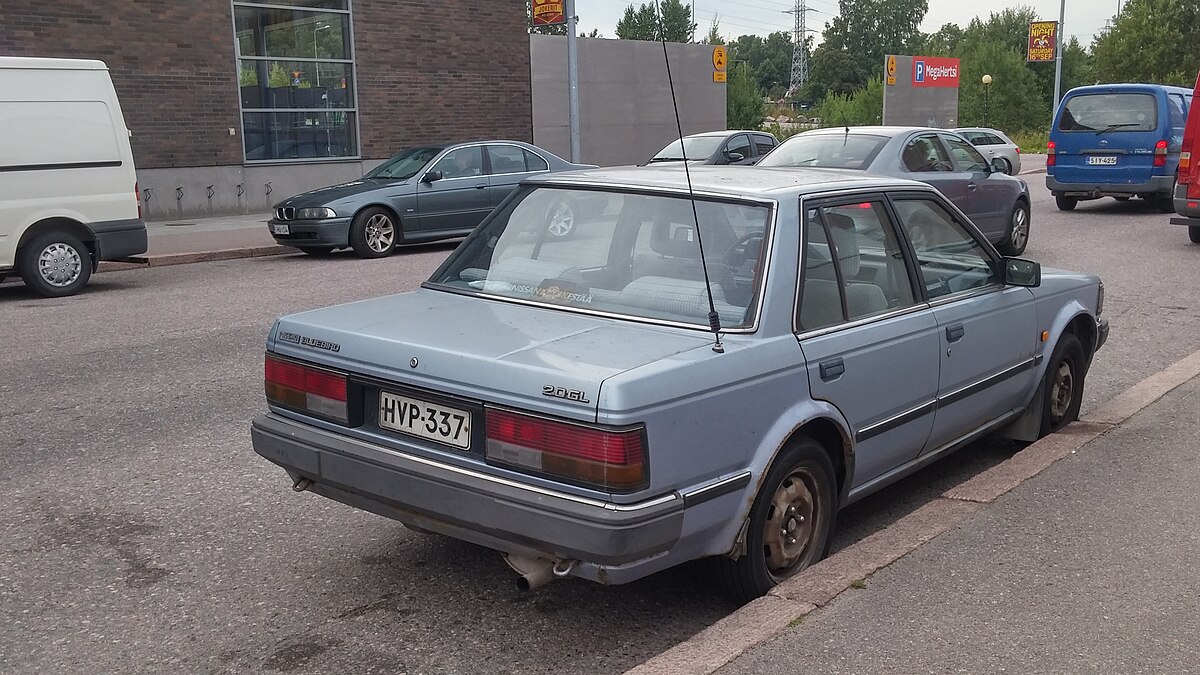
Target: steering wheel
[741, 250]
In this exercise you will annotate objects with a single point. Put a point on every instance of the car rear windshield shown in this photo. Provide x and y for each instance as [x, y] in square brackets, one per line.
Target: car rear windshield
[623, 253]
[829, 151]
[1109, 112]
[696, 147]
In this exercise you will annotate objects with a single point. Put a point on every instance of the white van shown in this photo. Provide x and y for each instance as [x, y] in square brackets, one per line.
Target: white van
[68, 190]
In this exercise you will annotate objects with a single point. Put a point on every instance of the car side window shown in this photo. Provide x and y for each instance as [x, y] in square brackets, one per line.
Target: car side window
[853, 265]
[1178, 116]
[506, 159]
[764, 144]
[951, 260]
[461, 163]
[993, 139]
[739, 144]
[923, 154]
[534, 162]
[966, 157]
[976, 137]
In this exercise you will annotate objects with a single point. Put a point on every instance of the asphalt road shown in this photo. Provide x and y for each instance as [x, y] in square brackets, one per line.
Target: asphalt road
[141, 533]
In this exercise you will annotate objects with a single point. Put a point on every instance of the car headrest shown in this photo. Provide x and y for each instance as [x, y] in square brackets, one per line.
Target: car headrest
[845, 239]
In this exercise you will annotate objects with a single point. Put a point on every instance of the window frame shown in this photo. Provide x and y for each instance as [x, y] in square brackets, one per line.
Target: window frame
[487, 147]
[728, 147]
[908, 258]
[914, 263]
[947, 137]
[936, 140]
[348, 12]
[485, 161]
[769, 142]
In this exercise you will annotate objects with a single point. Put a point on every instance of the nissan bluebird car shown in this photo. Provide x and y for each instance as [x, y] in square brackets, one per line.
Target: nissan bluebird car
[421, 194]
[682, 379]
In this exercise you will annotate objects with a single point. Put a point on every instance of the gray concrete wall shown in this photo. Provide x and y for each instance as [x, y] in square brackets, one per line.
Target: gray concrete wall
[625, 104]
[181, 193]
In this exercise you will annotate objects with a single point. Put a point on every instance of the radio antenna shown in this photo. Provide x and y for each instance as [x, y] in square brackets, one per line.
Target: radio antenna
[714, 319]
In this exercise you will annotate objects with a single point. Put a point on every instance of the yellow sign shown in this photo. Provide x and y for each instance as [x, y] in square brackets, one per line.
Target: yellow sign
[720, 58]
[891, 70]
[547, 13]
[718, 76]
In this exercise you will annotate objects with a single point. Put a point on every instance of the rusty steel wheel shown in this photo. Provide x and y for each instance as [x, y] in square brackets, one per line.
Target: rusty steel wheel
[1063, 384]
[791, 522]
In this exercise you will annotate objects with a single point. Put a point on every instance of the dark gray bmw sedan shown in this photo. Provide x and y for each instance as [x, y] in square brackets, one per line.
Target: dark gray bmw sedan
[422, 194]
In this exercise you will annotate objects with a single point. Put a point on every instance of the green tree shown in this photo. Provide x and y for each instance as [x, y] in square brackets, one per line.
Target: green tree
[560, 29]
[1014, 100]
[942, 42]
[863, 107]
[743, 99]
[770, 60]
[1152, 41]
[642, 23]
[714, 33]
[866, 30]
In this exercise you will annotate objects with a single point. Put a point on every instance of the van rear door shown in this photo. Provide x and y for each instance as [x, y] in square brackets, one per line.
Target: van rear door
[1107, 137]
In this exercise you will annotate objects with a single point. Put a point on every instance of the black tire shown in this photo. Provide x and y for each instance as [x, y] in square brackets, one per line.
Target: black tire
[562, 218]
[374, 233]
[1066, 203]
[1018, 231]
[1194, 233]
[1062, 387]
[804, 470]
[1005, 166]
[55, 264]
[317, 251]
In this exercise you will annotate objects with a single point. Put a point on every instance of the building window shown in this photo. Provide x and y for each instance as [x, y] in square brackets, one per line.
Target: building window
[296, 77]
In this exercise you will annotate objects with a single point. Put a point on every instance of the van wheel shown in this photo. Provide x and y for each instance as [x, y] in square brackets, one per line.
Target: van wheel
[1063, 385]
[791, 522]
[55, 264]
[373, 233]
[1018, 231]
[1066, 203]
[1194, 233]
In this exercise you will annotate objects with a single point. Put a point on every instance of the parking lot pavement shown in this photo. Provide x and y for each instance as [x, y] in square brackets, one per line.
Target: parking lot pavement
[1089, 567]
[141, 532]
[194, 235]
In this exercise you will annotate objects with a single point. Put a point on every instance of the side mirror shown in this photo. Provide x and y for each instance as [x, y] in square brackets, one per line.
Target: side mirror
[996, 165]
[734, 156]
[431, 176]
[1021, 272]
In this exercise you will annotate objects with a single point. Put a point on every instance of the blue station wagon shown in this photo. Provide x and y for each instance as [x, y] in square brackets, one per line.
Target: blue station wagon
[1117, 140]
[682, 379]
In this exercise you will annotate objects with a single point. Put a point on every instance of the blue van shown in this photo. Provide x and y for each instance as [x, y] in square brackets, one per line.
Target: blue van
[1117, 140]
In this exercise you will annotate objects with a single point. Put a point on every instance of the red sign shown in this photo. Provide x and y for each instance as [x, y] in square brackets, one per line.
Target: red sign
[934, 71]
[1042, 38]
[548, 13]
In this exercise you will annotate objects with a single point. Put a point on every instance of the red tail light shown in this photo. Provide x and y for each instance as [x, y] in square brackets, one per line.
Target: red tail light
[137, 197]
[307, 389]
[1160, 153]
[1051, 150]
[611, 459]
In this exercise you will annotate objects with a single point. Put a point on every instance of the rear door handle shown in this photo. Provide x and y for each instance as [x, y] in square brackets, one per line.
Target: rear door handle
[955, 333]
[832, 369]
[480, 187]
[972, 186]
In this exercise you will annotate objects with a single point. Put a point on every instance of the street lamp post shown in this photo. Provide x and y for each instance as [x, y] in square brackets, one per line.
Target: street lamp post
[987, 88]
[317, 67]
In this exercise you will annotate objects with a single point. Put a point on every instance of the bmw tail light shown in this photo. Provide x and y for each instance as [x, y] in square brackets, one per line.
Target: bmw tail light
[607, 458]
[1160, 154]
[1051, 150]
[311, 390]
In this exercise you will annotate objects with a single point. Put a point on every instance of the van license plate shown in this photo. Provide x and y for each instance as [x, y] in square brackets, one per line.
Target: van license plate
[424, 419]
[281, 229]
[1102, 161]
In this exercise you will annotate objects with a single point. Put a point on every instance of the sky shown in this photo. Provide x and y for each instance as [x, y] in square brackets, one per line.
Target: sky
[740, 17]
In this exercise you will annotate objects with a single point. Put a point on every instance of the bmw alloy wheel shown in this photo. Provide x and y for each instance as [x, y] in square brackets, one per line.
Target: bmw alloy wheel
[1020, 229]
[381, 233]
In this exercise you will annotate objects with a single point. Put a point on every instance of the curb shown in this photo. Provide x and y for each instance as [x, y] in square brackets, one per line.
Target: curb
[164, 259]
[789, 602]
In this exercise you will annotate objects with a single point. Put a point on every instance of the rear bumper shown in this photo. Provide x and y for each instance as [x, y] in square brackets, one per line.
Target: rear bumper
[1182, 208]
[467, 504]
[1156, 185]
[117, 239]
[329, 232]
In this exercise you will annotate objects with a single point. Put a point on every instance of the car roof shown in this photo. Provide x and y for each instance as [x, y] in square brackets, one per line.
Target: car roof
[729, 132]
[741, 181]
[873, 130]
[1129, 87]
[39, 63]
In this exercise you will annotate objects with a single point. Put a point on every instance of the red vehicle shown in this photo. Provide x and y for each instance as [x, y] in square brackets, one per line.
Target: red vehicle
[1187, 189]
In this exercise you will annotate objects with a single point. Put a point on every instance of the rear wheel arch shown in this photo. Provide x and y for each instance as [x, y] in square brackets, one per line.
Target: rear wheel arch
[60, 224]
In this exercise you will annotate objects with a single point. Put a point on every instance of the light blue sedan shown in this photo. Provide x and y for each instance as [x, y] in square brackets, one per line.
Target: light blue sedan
[675, 383]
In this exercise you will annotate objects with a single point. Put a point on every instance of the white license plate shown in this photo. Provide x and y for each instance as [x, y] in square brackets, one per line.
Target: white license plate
[281, 229]
[424, 419]
[1102, 161]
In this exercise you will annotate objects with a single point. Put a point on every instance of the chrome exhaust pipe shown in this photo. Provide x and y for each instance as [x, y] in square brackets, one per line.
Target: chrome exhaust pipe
[535, 572]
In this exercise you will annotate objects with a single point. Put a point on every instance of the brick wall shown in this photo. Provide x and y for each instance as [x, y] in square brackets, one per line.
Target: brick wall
[450, 70]
[427, 71]
[172, 64]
